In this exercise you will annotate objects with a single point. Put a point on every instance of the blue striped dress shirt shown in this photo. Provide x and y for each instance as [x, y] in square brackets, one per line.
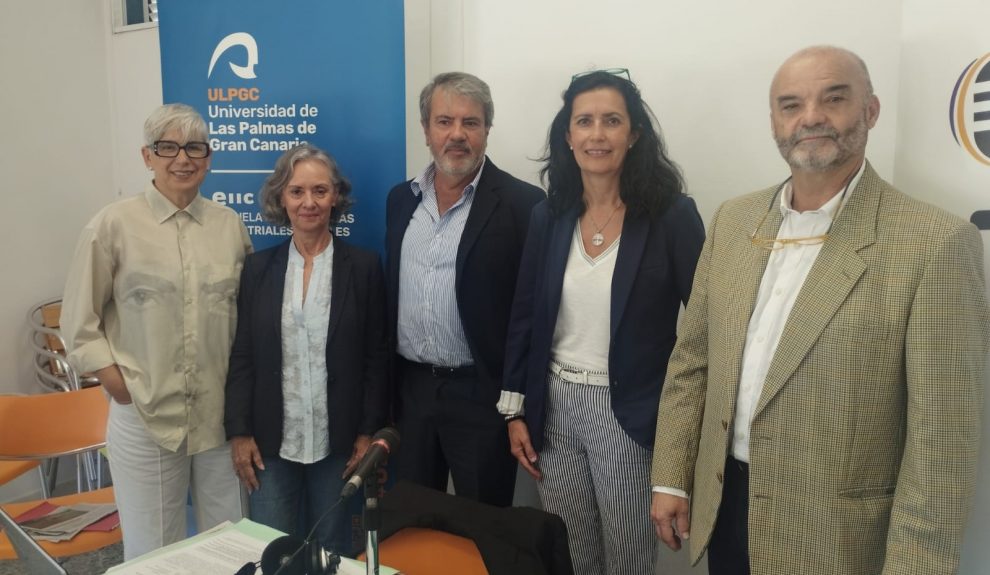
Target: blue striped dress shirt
[429, 325]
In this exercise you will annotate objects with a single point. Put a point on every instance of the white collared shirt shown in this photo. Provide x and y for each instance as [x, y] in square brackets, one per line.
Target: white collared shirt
[429, 326]
[782, 280]
[306, 421]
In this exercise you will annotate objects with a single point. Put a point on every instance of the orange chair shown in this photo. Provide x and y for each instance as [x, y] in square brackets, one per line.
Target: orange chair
[11, 469]
[47, 426]
[420, 551]
[82, 543]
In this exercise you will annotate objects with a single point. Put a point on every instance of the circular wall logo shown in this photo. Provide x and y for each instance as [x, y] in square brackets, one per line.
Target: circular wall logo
[969, 109]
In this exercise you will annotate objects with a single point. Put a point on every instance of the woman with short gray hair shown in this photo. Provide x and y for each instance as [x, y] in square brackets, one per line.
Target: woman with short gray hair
[149, 307]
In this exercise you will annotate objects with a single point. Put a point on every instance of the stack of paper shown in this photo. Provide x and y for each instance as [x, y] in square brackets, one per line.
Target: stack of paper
[48, 522]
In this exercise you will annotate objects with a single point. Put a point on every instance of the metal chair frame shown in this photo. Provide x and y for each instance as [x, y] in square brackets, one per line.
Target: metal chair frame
[54, 374]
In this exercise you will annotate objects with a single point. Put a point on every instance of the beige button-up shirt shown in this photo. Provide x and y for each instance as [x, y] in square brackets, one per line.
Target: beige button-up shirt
[153, 289]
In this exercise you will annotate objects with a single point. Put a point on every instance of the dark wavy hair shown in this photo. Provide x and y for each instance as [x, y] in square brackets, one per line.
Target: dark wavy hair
[649, 182]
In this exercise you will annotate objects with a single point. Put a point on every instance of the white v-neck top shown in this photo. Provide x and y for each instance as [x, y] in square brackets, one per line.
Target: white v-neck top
[581, 336]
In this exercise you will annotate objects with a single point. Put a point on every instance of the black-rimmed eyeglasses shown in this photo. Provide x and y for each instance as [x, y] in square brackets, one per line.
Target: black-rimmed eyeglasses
[170, 149]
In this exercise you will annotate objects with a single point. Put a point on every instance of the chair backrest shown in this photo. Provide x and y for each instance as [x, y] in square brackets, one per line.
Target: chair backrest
[28, 551]
[51, 314]
[510, 539]
[419, 551]
[52, 424]
[50, 366]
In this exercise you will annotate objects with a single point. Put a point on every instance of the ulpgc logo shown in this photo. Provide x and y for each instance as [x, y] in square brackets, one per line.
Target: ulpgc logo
[245, 72]
[969, 110]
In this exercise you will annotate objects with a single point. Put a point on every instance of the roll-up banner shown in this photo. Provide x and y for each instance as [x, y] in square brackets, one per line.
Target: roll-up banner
[269, 75]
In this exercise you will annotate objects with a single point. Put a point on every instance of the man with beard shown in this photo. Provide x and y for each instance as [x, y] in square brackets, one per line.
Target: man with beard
[454, 236]
[822, 405]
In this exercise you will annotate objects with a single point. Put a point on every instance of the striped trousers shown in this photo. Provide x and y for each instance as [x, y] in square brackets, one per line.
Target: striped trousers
[598, 480]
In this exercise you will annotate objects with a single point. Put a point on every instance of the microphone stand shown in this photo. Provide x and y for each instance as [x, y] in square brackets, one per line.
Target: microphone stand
[372, 521]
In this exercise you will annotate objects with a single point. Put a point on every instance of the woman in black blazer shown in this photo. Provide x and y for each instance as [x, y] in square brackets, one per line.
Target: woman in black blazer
[608, 261]
[306, 387]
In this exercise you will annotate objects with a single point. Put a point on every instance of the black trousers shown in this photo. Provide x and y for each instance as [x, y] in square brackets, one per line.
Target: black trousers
[728, 551]
[448, 424]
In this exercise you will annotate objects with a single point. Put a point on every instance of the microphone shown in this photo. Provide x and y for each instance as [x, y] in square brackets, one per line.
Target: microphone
[382, 444]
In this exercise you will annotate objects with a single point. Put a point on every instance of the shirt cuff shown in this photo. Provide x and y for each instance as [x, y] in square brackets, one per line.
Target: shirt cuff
[510, 404]
[91, 356]
[670, 491]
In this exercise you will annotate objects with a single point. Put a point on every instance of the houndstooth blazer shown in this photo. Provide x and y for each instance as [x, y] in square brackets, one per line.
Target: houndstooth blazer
[864, 443]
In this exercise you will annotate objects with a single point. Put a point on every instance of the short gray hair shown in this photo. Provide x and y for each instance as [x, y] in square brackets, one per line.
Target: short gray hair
[181, 117]
[272, 209]
[462, 84]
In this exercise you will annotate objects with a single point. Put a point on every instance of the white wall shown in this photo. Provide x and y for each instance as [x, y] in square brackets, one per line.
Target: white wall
[55, 157]
[704, 68]
[136, 89]
[937, 43]
[73, 125]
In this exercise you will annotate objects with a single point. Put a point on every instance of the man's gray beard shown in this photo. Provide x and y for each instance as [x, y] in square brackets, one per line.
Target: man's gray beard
[846, 146]
[447, 168]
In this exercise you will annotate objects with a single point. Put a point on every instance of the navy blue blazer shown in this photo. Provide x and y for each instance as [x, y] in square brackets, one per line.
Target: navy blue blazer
[486, 267]
[653, 273]
[357, 353]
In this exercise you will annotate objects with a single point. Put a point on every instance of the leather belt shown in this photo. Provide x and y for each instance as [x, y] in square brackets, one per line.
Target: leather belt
[581, 376]
[440, 371]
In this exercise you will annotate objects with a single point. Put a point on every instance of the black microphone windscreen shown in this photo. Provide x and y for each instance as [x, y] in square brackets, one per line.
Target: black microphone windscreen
[390, 435]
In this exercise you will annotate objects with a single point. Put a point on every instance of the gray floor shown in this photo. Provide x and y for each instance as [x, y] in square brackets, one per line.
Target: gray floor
[85, 564]
[677, 563]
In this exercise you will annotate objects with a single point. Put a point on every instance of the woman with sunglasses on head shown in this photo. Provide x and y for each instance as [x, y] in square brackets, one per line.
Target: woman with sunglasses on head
[149, 306]
[608, 262]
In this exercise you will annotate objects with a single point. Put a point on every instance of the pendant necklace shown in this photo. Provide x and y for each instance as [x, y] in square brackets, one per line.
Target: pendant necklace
[597, 238]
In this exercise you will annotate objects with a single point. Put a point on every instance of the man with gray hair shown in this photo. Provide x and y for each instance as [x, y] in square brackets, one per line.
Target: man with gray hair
[454, 236]
[822, 404]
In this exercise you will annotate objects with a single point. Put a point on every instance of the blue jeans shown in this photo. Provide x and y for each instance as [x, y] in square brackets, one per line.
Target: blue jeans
[293, 496]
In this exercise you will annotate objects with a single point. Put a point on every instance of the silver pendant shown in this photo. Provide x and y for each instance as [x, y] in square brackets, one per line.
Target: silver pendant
[597, 239]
